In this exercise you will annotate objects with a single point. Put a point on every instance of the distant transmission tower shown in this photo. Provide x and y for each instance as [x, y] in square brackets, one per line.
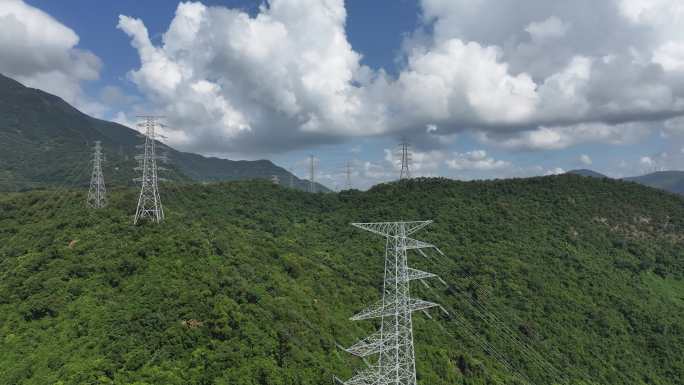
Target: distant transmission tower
[312, 174]
[348, 184]
[405, 149]
[393, 343]
[275, 179]
[149, 203]
[97, 194]
[291, 178]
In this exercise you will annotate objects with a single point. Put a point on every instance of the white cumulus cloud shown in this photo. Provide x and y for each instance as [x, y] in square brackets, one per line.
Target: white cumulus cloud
[670, 55]
[287, 76]
[585, 160]
[648, 164]
[282, 78]
[559, 137]
[40, 52]
[477, 160]
[551, 28]
[554, 171]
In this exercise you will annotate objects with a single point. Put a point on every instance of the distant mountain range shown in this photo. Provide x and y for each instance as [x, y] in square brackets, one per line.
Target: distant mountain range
[672, 181]
[44, 142]
[586, 172]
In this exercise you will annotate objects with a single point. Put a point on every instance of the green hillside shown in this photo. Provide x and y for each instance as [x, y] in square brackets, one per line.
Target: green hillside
[566, 279]
[587, 172]
[46, 142]
[672, 181]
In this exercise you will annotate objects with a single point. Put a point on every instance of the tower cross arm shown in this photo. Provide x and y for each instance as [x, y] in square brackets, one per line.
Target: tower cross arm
[414, 274]
[391, 229]
[412, 244]
[412, 227]
[382, 310]
[373, 344]
[369, 376]
[373, 311]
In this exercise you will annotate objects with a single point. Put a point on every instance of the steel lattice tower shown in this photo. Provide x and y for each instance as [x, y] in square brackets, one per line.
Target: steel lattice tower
[348, 170]
[312, 174]
[405, 149]
[97, 193]
[149, 202]
[393, 343]
[291, 178]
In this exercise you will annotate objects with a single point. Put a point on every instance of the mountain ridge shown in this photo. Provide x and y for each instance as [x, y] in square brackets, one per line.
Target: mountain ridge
[44, 141]
[670, 181]
[587, 172]
[571, 280]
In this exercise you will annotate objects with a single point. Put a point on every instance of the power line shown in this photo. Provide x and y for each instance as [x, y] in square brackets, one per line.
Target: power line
[393, 343]
[149, 202]
[97, 193]
[490, 319]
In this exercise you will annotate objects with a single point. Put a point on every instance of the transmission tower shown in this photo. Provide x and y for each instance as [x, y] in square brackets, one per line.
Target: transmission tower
[406, 155]
[275, 179]
[312, 174]
[291, 177]
[149, 202]
[393, 343]
[97, 194]
[348, 170]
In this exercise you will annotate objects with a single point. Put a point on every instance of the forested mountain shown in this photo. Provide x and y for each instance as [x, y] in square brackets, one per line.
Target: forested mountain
[553, 280]
[46, 142]
[672, 181]
[587, 172]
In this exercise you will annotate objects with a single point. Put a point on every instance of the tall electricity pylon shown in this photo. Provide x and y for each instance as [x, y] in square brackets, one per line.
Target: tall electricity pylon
[393, 343]
[291, 177]
[405, 149]
[97, 194]
[312, 174]
[348, 170]
[149, 202]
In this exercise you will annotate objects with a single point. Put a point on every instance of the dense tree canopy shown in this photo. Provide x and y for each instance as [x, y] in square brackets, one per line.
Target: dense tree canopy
[566, 279]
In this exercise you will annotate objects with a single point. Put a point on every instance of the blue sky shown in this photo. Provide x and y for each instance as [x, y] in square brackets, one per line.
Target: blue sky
[375, 28]
[482, 89]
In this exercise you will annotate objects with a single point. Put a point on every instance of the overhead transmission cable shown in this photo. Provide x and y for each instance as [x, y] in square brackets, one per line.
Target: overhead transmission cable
[490, 318]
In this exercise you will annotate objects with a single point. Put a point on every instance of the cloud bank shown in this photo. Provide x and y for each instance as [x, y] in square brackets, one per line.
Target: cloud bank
[41, 52]
[288, 77]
